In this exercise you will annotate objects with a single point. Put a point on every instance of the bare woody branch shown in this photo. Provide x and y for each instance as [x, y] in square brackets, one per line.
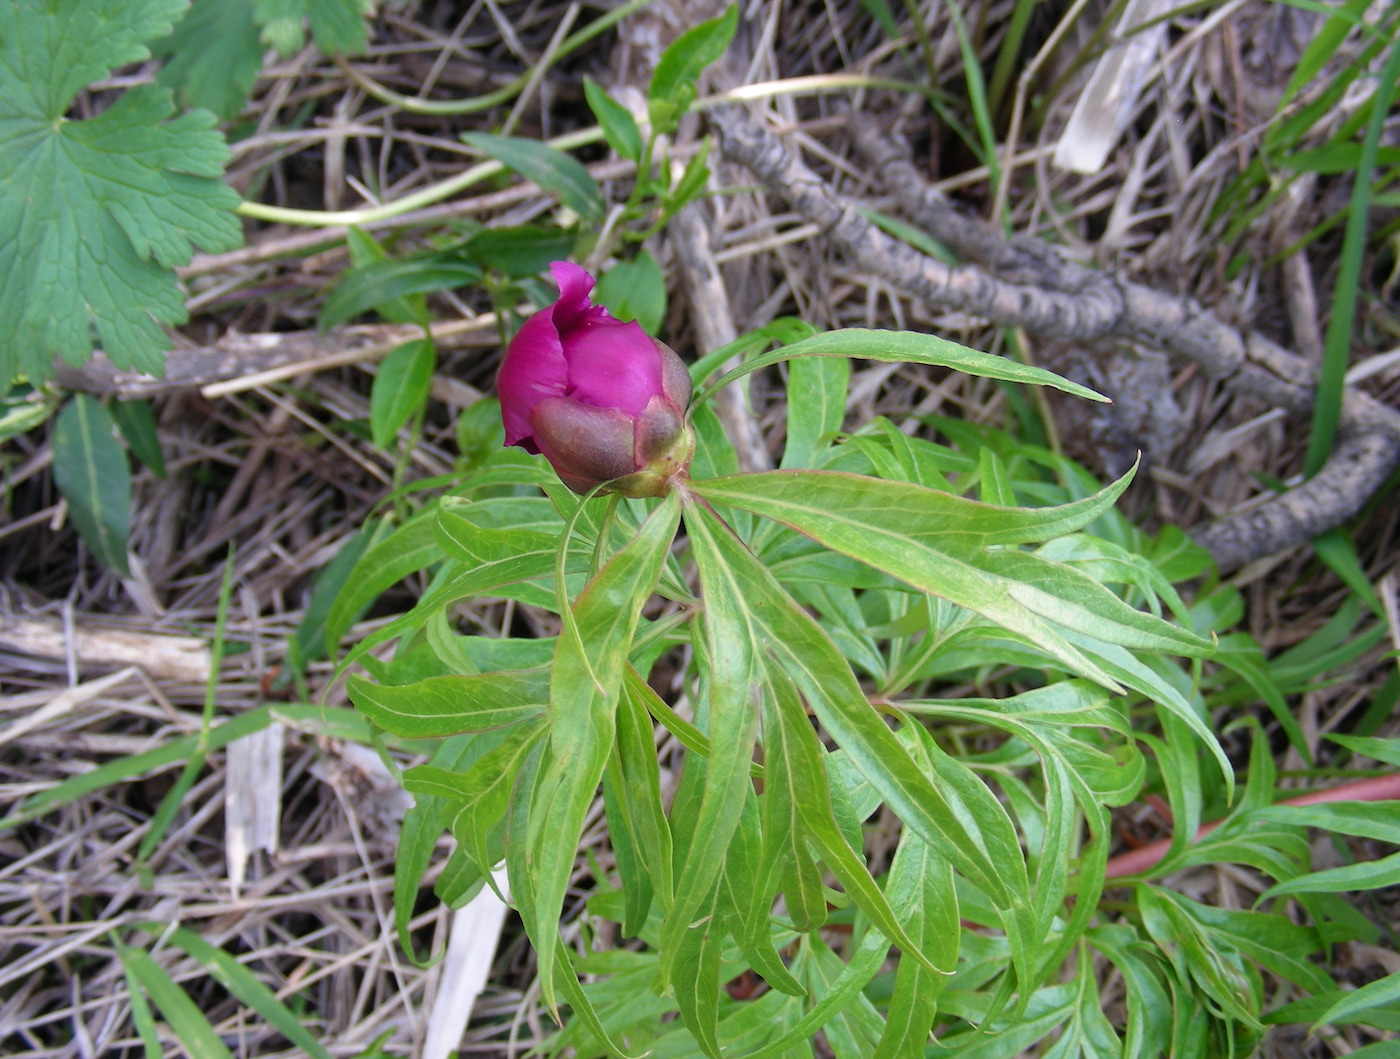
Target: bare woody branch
[1024, 283]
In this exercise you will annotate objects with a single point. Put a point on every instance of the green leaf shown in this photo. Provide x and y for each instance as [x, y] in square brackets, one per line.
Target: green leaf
[585, 683]
[400, 389]
[330, 581]
[22, 409]
[672, 88]
[907, 347]
[936, 543]
[616, 121]
[213, 57]
[337, 26]
[422, 826]
[481, 795]
[525, 250]
[383, 283]
[140, 1007]
[191, 1028]
[440, 706]
[981, 843]
[696, 977]
[1377, 994]
[90, 470]
[922, 894]
[634, 290]
[238, 980]
[96, 213]
[408, 549]
[138, 425]
[816, 395]
[554, 171]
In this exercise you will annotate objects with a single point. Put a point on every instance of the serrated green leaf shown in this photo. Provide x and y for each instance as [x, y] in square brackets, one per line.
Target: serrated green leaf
[907, 347]
[362, 288]
[337, 26]
[634, 290]
[97, 212]
[585, 683]
[213, 56]
[239, 981]
[441, 706]
[137, 423]
[554, 171]
[196, 1036]
[91, 471]
[400, 389]
[616, 121]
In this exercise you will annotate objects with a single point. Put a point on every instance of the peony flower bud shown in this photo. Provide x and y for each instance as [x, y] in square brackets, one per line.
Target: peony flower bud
[602, 400]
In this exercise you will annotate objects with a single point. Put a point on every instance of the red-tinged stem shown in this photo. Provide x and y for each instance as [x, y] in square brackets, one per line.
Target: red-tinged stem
[1376, 789]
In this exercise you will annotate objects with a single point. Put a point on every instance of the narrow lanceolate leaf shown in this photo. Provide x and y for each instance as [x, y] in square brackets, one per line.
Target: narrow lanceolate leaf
[90, 469]
[816, 393]
[731, 644]
[441, 706]
[926, 517]
[795, 641]
[696, 977]
[921, 892]
[618, 125]
[936, 542]
[554, 171]
[913, 348]
[802, 779]
[585, 684]
[197, 1038]
[243, 984]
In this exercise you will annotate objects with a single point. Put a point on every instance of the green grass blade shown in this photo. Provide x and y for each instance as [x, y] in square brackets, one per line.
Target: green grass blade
[197, 1037]
[242, 983]
[1327, 406]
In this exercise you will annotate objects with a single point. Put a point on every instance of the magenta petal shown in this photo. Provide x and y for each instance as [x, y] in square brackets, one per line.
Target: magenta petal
[612, 365]
[573, 306]
[534, 370]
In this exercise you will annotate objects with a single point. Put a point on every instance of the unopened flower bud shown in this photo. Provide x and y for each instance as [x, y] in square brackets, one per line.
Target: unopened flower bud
[602, 400]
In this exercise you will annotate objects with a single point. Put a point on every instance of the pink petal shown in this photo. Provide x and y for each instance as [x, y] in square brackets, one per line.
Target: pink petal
[573, 305]
[612, 365]
[534, 369]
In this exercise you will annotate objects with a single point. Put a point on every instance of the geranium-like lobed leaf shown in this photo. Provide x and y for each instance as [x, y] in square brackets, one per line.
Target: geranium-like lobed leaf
[95, 213]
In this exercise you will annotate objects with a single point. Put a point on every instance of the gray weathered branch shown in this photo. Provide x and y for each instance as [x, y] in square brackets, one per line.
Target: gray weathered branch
[1024, 283]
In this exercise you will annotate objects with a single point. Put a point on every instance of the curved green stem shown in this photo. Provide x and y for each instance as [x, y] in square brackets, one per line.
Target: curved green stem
[427, 197]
